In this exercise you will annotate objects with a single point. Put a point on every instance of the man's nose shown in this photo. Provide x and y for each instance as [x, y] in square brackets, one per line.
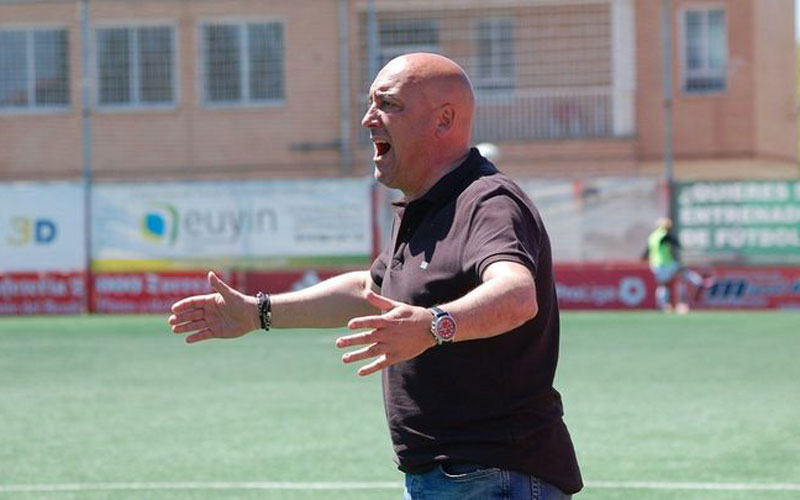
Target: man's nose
[370, 119]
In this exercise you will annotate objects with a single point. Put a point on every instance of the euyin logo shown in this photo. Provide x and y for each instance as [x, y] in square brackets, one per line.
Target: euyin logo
[160, 223]
[226, 225]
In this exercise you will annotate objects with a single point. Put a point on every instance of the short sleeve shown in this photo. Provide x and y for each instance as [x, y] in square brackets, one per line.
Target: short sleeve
[378, 268]
[503, 228]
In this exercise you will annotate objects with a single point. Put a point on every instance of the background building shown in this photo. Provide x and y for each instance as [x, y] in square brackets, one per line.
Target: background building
[209, 89]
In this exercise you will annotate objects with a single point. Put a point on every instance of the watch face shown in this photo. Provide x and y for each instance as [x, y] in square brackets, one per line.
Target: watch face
[446, 328]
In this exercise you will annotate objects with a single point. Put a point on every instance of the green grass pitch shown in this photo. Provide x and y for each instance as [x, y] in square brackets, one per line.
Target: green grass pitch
[652, 402]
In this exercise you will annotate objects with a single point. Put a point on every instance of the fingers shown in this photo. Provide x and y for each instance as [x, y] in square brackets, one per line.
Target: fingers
[366, 352]
[183, 317]
[194, 302]
[200, 301]
[381, 362]
[377, 365]
[203, 334]
[362, 338]
[368, 322]
[371, 351]
[380, 301]
[191, 326]
[219, 285]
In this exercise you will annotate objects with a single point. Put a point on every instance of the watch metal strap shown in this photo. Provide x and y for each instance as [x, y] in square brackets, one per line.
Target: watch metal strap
[437, 311]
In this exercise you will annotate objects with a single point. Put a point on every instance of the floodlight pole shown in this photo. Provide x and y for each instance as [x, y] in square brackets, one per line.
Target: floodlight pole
[666, 42]
[372, 40]
[346, 160]
[86, 121]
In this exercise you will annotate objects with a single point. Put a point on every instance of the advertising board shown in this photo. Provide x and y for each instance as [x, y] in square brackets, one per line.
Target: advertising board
[753, 222]
[594, 286]
[753, 288]
[154, 293]
[23, 293]
[42, 227]
[253, 224]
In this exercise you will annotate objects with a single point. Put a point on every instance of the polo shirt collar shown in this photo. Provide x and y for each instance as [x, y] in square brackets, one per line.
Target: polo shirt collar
[448, 186]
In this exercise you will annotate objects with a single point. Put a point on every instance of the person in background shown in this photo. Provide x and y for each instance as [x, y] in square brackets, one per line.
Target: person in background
[663, 255]
[458, 312]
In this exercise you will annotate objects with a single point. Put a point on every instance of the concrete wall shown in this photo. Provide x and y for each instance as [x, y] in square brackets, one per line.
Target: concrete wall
[776, 87]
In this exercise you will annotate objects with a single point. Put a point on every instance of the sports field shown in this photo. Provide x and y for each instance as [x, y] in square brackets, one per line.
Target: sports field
[704, 406]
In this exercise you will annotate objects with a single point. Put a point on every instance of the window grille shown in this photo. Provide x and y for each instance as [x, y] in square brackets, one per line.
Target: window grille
[705, 57]
[34, 69]
[243, 63]
[401, 36]
[136, 66]
[494, 54]
[540, 70]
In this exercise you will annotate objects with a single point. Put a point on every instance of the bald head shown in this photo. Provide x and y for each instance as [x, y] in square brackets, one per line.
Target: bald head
[420, 119]
[440, 80]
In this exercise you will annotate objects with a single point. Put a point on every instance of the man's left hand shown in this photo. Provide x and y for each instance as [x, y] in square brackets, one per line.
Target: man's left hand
[400, 333]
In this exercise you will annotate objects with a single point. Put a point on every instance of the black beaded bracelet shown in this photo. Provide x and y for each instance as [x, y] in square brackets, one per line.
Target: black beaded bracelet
[264, 310]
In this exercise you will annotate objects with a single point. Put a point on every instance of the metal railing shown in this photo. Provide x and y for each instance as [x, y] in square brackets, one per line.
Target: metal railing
[558, 113]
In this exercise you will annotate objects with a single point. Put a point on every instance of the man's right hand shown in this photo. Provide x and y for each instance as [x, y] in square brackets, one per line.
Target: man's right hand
[227, 313]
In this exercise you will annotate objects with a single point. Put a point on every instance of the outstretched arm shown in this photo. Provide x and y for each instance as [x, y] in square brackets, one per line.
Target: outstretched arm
[505, 300]
[328, 304]
[229, 313]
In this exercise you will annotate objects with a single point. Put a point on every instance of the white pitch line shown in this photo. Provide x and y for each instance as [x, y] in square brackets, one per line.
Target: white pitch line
[666, 485]
[252, 485]
[368, 485]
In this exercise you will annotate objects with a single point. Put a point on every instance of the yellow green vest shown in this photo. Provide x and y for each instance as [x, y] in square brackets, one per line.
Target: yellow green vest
[659, 255]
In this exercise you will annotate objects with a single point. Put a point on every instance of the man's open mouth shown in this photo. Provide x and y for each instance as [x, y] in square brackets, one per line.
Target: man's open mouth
[381, 148]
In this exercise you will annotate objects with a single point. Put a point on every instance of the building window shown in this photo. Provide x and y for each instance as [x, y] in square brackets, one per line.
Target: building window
[402, 36]
[243, 63]
[34, 69]
[493, 45]
[705, 56]
[136, 66]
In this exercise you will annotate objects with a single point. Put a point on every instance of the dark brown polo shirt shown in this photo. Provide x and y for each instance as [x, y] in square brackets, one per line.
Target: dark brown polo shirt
[488, 401]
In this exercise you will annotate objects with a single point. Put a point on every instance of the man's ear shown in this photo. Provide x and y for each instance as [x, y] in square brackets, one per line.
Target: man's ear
[446, 120]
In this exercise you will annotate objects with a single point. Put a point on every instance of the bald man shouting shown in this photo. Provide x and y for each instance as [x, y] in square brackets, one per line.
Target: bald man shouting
[458, 312]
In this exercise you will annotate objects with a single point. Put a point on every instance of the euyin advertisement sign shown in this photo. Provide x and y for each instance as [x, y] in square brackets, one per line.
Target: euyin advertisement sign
[267, 223]
[41, 227]
[742, 221]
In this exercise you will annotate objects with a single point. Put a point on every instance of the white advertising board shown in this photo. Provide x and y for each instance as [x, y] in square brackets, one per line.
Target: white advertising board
[600, 219]
[41, 227]
[161, 224]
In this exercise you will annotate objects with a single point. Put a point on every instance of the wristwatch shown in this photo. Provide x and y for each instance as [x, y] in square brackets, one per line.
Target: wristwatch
[443, 326]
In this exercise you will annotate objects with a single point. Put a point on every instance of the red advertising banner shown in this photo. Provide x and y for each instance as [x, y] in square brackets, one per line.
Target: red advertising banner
[42, 293]
[631, 286]
[600, 286]
[284, 280]
[753, 288]
[616, 286]
[129, 293]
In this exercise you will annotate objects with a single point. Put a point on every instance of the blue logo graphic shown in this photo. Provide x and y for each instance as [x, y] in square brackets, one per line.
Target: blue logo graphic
[160, 223]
